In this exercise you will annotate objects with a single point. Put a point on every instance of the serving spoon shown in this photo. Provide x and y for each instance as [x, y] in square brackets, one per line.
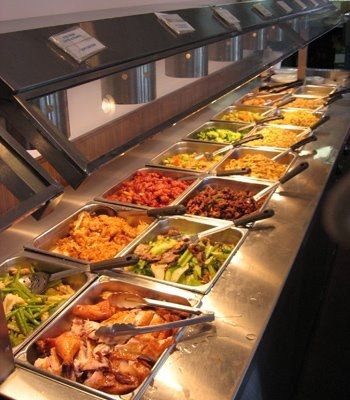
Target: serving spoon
[39, 281]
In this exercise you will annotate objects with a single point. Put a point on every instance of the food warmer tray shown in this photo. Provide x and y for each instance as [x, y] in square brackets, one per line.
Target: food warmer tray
[186, 147]
[274, 97]
[191, 225]
[166, 172]
[302, 131]
[27, 355]
[266, 111]
[234, 183]
[316, 90]
[47, 240]
[50, 265]
[288, 159]
[320, 114]
[232, 126]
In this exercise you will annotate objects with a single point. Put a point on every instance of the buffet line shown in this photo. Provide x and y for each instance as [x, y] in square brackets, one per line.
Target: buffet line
[177, 221]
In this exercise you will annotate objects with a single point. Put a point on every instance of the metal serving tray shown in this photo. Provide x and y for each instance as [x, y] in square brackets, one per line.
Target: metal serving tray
[320, 114]
[29, 354]
[266, 111]
[267, 97]
[186, 147]
[192, 225]
[302, 131]
[166, 172]
[232, 126]
[236, 183]
[316, 90]
[48, 264]
[47, 240]
[240, 152]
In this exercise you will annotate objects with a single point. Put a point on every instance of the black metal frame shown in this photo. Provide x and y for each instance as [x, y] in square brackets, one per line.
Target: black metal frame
[26, 180]
[45, 137]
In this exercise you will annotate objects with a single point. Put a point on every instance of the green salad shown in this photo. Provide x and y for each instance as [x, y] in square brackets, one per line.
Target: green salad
[179, 260]
[219, 135]
[24, 310]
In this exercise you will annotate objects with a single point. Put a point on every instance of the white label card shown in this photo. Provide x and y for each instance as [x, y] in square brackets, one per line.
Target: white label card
[77, 43]
[285, 6]
[300, 4]
[315, 3]
[176, 23]
[263, 10]
[227, 17]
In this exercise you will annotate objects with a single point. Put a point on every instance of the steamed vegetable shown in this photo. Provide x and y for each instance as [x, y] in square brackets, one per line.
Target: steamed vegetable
[181, 261]
[24, 310]
[219, 135]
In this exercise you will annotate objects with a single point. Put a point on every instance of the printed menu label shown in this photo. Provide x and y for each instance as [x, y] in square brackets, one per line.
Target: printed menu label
[227, 17]
[176, 23]
[300, 4]
[285, 6]
[77, 43]
[263, 10]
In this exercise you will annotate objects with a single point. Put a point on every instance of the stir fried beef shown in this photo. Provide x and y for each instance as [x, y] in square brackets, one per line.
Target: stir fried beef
[222, 203]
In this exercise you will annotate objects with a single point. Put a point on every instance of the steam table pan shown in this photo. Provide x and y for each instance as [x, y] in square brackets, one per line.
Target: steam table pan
[47, 264]
[240, 152]
[263, 111]
[190, 226]
[27, 356]
[165, 172]
[303, 133]
[316, 90]
[232, 126]
[266, 97]
[236, 184]
[48, 239]
[186, 147]
[322, 117]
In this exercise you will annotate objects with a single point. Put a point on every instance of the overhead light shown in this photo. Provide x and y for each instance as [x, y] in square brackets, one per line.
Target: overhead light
[108, 104]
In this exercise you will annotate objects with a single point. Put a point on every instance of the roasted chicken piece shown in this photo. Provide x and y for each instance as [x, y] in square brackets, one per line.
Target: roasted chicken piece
[94, 312]
[117, 368]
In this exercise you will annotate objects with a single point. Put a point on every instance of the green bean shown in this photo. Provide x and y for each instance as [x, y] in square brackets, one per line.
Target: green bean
[21, 322]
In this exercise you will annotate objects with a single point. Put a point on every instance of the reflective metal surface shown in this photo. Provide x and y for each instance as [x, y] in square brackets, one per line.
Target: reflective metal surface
[47, 241]
[190, 226]
[63, 323]
[40, 262]
[240, 152]
[164, 172]
[209, 363]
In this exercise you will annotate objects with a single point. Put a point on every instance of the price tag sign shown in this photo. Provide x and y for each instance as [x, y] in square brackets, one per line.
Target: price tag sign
[176, 23]
[300, 4]
[285, 6]
[77, 43]
[227, 17]
[262, 10]
[315, 3]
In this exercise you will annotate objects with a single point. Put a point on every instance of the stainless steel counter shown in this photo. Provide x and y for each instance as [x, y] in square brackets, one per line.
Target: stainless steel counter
[210, 362]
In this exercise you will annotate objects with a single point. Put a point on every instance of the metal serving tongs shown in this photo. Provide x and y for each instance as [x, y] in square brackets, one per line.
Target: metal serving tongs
[295, 146]
[39, 281]
[289, 175]
[131, 300]
[280, 87]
